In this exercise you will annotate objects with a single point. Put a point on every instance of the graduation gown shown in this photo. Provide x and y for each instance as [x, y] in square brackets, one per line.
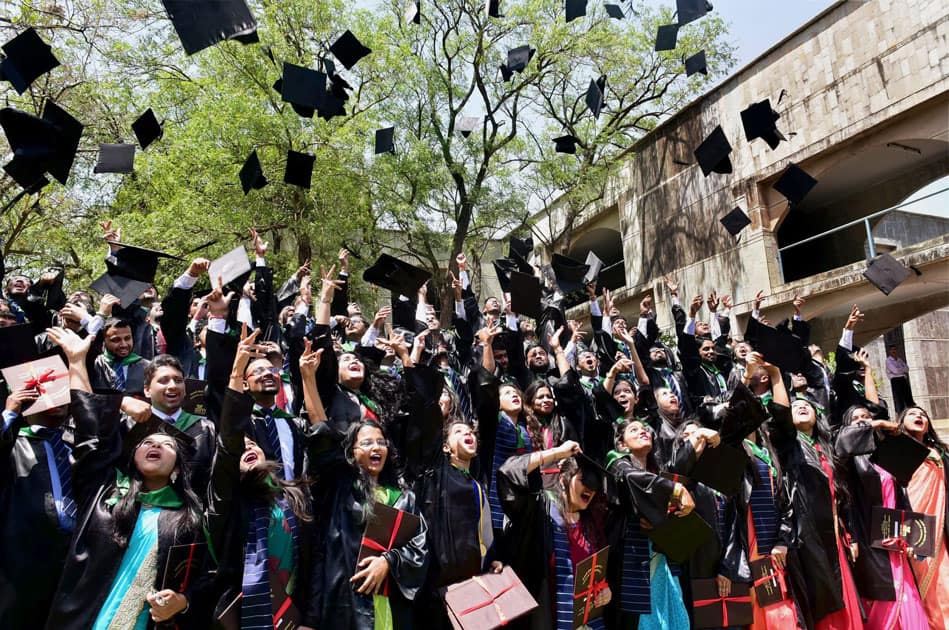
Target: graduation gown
[93, 559]
[872, 573]
[32, 544]
[103, 376]
[814, 567]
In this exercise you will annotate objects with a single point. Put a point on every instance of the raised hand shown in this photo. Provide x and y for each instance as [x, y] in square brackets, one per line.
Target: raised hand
[696, 305]
[329, 284]
[487, 334]
[672, 285]
[303, 270]
[218, 302]
[111, 234]
[712, 302]
[74, 346]
[456, 286]
[260, 246]
[861, 357]
[21, 399]
[462, 261]
[106, 303]
[198, 267]
[727, 302]
[758, 299]
[343, 258]
[554, 339]
[381, 316]
[798, 302]
[645, 306]
[310, 359]
[855, 318]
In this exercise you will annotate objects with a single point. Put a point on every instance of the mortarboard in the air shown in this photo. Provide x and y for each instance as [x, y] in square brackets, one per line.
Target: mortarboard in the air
[18, 345]
[778, 347]
[252, 174]
[302, 86]
[691, 10]
[229, 267]
[520, 247]
[615, 11]
[301, 110]
[679, 537]
[126, 289]
[33, 142]
[666, 37]
[569, 273]
[506, 73]
[525, 295]
[147, 129]
[735, 221]
[712, 154]
[115, 158]
[388, 272]
[28, 58]
[721, 468]
[900, 455]
[203, 23]
[492, 8]
[68, 133]
[141, 430]
[299, 170]
[137, 263]
[758, 120]
[794, 183]
[467, 124]
[385, 140]
[595, 266]
[596, 94]
[413, 12]
[518, 58]
[349, 50]
[575, 9]
[502, 269]
[696, 63]
[566, 144]
[886, 273]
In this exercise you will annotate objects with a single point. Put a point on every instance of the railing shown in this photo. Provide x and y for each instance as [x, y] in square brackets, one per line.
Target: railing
[866, 223]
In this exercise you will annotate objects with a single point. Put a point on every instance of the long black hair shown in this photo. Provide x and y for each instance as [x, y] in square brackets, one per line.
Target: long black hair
[125, 513]
[592, 519]
[263, 483]
[364, 481]
[620, 443]
[823, 436]
[534, 425]
[930, 438]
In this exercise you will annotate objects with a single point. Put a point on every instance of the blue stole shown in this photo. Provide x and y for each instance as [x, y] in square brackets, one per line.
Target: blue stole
[764, 512]
[256, 607]
[505, 446]
[634, 585]
[563, 573]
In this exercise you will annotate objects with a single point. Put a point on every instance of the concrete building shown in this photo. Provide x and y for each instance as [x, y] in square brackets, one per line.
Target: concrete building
[863, 96]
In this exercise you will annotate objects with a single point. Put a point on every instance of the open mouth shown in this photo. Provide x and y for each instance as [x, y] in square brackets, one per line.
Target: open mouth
[251, 458]
[153, 456]
[375, 460]
[586, 496]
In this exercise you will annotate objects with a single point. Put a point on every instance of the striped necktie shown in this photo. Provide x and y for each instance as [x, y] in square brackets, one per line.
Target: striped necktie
[462, 392]
[119, 374]
[61, 459]
[272, 435]
[256, 609]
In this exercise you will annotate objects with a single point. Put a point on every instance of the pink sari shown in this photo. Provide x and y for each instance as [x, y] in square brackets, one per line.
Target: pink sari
[906, 611]
[927, 494]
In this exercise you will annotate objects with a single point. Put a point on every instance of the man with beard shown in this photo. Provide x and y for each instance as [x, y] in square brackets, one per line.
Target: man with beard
[34, 303]
[118, 367]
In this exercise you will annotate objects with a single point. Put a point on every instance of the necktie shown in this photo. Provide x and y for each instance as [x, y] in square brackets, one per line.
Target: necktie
[455, 381]
[61, 459]
[271, 426]
[119, 375]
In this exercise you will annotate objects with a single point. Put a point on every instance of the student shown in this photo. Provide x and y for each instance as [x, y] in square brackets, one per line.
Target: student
[118, 367]
[928, 491]
[114, 570]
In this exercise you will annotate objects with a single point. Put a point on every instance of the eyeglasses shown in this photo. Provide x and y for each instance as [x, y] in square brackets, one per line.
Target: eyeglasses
[367, 444]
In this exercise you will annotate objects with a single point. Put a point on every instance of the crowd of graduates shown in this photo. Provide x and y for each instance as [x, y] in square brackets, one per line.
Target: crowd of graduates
[730, 473]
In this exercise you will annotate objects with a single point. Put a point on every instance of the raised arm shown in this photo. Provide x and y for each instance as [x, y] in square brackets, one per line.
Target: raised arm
[309, 363]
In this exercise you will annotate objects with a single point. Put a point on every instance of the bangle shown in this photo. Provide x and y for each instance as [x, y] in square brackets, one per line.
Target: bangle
[325, 301]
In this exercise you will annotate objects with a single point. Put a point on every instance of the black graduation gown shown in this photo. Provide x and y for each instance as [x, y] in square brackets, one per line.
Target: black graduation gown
[174, 328]
[103, 376]
[814, 568]
[227, 513]
[871, 571]
[846, 392]
[333, 603]
[32, 545]
[94, 558]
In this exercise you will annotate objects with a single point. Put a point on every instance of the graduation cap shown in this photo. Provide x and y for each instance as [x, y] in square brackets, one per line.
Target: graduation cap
[413, 12]
[575, 9]
[595, 265]
[147, 129]
[136, 263]
[595, 95]
[203, 23]
[348, 49]
[794, 183]
[886, 273]
[385, 140]
[141, 430]
[712, 154]
[229, 267]
[721, 468]
[302, 86]
[900, 455]
[28, 58]
[518, 58]
[569, 274]
[758, 120]
[525, 294]
[779, 347]
[115, 158]
[696, 63]
[299, 169]
[126, 289]
[615, 11]
[503, 267]
[252, 174]
[68, 133]
[40, 145]
[388, 272]
[467, 124]
[566, 144]
[679, 537]
[666, 37]
[691, 10]
[492, 8]
[18, 345]
[520, 247]
[735, 221]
